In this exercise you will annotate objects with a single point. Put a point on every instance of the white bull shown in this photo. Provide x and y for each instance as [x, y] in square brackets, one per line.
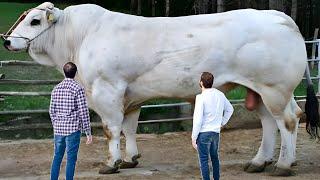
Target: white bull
[125, 60]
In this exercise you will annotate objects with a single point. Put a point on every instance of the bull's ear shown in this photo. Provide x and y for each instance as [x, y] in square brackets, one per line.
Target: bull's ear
[52, 15]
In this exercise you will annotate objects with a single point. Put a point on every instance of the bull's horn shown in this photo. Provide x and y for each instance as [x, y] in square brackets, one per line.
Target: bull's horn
[46, 5]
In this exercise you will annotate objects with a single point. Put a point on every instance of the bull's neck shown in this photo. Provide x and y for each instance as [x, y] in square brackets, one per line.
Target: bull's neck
[60, 44]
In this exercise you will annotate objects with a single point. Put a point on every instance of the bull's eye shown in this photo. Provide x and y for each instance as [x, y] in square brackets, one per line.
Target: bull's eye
[35, 22]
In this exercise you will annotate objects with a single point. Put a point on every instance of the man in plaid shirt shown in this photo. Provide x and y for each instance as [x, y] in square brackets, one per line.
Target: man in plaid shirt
[70, 116]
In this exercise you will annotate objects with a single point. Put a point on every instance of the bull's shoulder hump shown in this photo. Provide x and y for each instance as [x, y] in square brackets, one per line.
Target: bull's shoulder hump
[85, 11]
[84, 7]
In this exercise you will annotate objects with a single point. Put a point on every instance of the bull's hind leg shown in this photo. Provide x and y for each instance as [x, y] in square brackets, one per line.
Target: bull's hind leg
[266, 150]
[129, 129]
[288, 129]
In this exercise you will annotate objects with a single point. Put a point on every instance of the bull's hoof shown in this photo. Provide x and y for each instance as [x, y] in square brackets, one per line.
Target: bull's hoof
[127, 165]
[294, 164]
[111, 170]
[136, 157]
[252, 168]
[282, 172]
[133, 164]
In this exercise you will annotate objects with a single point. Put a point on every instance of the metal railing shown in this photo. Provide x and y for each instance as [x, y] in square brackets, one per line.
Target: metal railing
[314, 58]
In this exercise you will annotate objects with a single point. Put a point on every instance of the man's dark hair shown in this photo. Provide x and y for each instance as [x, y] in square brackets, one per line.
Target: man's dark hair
[207, 79]
[70, 70]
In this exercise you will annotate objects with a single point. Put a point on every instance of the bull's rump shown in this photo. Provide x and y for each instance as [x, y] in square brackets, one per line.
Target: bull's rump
[167, 55]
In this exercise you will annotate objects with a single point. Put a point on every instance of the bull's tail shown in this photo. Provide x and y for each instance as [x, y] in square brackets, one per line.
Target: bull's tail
[311, 108]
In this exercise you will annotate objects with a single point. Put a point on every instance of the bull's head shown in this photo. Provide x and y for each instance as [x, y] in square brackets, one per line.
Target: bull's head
[31, 25]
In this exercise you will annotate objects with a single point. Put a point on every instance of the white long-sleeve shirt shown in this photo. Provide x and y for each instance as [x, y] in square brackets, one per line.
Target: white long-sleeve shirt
[212, 111]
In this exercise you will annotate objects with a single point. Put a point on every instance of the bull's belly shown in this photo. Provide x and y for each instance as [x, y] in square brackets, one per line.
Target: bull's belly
[252, 98]
[186, 88]
[177, 87]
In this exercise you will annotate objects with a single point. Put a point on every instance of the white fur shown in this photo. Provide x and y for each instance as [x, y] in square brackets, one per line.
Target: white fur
[124, 60]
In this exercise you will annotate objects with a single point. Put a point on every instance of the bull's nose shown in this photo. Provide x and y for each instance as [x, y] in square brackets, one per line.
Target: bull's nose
[7, 43]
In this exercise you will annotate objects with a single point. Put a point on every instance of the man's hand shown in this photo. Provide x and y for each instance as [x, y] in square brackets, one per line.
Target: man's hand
[194, 144]
[89, 139]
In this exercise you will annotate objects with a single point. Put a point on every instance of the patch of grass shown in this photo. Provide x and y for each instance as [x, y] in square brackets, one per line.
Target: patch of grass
[31, 72]
[10, 13]
[25, 103]
[237, 93]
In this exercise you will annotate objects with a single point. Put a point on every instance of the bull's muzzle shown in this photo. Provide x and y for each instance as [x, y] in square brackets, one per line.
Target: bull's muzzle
[7, 44]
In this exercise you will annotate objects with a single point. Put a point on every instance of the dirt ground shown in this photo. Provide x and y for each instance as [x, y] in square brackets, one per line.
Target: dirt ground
[166, 156]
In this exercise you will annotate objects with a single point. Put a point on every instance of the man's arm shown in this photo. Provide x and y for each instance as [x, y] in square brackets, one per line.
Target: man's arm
[228, 110]
[51, 108]
[83, 112]
[197, 118]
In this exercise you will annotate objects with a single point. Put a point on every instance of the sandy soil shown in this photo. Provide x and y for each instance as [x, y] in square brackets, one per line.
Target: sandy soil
[167, 156]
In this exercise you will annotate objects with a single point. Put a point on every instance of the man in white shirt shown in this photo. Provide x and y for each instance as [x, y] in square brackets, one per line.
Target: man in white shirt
[212, 111]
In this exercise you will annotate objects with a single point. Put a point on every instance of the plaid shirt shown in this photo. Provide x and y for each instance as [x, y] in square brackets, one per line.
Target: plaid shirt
[68, 109]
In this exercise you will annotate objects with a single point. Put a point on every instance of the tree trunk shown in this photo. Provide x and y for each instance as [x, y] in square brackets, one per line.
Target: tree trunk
[153, 4]
[242, 4]
[254, 4]
[262, 4]
[139, 7]
[167, 8]
[196, 7]
[308, 18]
[276, 5]
[214, 6]
[132, 6]
[294, 9]
[201, 6]
[204, 6]
[315, 8]
[316, 11]
[220, 6]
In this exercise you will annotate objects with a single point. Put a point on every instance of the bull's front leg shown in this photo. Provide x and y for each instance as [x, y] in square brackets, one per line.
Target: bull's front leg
[114, 156]
[108, 103]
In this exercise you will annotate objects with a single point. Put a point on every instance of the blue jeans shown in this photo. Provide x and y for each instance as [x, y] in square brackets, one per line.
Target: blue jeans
[71, 142]
[208, 144]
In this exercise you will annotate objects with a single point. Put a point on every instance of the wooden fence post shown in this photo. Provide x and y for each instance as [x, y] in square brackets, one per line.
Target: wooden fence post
[318, 58]
[314, 45]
